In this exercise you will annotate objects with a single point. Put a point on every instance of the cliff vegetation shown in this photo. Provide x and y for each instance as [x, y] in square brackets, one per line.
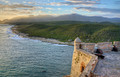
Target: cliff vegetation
[69, 30]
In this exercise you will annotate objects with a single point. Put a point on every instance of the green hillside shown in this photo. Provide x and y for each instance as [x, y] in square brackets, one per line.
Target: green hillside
[66, 30]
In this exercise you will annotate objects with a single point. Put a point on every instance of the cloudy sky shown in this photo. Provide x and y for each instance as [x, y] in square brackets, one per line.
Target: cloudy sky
[20, 8]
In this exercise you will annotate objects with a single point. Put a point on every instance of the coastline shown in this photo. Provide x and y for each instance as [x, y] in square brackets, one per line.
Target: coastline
[49, 40]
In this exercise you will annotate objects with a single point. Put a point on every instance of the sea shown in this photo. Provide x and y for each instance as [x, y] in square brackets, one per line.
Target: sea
[24, 57]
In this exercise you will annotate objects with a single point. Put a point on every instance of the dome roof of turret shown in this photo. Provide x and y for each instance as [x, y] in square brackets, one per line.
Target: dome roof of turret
[77, 39]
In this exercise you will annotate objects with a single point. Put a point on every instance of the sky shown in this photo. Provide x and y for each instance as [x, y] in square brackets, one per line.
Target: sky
[22, 8]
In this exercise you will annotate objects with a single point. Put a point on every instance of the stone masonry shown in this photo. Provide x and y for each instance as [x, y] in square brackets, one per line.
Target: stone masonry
[84, 62]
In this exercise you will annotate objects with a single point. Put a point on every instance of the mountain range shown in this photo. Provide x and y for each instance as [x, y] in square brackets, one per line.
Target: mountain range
[67, 17]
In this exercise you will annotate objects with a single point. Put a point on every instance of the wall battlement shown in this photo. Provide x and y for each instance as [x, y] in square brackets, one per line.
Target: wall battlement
[104, 46]
[83, 61]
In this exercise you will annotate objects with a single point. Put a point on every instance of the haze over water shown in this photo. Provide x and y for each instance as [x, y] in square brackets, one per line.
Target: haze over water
[23, 57]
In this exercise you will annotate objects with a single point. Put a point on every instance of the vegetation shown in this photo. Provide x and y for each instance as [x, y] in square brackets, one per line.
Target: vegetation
[69, 30]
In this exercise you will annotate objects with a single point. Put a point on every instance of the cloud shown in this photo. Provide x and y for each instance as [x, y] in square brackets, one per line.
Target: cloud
[117, 2]
[15, 6]
[16, 9]
[117, 15]
[13, 10]
[48, 8]
[4, 1]
[76, 2]
[91, 1]
[94, 9]
[16, 12]
[59, 8]
[32, 3]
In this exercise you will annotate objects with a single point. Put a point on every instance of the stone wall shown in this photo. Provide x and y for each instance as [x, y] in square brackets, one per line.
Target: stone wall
[117, 44]
[88, 46]
[83, 63]
[79, 62]
[105, 46]
[90, 68]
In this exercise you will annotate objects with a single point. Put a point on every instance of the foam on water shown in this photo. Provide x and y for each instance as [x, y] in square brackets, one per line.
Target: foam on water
[15, 36]
[12, 35]
[59, 45]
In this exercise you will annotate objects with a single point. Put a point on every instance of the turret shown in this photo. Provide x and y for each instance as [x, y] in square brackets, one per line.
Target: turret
[77, 43]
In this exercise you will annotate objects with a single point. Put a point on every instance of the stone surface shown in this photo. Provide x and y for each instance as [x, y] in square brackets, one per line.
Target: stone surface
[110, 66]
[105, 46]
[79, 62]
[88, 46]
[84, 63]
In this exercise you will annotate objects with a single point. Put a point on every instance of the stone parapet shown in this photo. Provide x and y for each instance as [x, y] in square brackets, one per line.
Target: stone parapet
[89, 47]
[105, 46]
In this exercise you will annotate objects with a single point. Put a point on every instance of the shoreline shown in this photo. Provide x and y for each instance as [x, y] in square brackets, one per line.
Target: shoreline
[49, 40]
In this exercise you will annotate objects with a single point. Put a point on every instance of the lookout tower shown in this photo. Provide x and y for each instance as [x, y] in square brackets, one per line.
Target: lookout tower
[77, 43]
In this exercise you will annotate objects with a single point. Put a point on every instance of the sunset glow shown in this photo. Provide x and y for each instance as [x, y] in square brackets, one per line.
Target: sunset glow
[17, 8]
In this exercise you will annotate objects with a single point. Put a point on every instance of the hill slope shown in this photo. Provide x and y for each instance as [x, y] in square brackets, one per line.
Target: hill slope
[88, 32]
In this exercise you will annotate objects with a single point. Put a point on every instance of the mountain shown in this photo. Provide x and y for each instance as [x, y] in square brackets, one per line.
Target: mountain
[67, 17]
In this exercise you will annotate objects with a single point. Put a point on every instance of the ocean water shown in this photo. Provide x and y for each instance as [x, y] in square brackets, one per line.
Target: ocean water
[24, 57]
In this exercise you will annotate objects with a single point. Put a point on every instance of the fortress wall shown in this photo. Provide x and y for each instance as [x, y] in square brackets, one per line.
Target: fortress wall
[90, 68]
[117, 44]
[82, 63]
[105, 46]
[88, 46]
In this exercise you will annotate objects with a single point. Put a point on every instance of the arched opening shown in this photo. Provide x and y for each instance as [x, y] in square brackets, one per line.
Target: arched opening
[82, 68]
